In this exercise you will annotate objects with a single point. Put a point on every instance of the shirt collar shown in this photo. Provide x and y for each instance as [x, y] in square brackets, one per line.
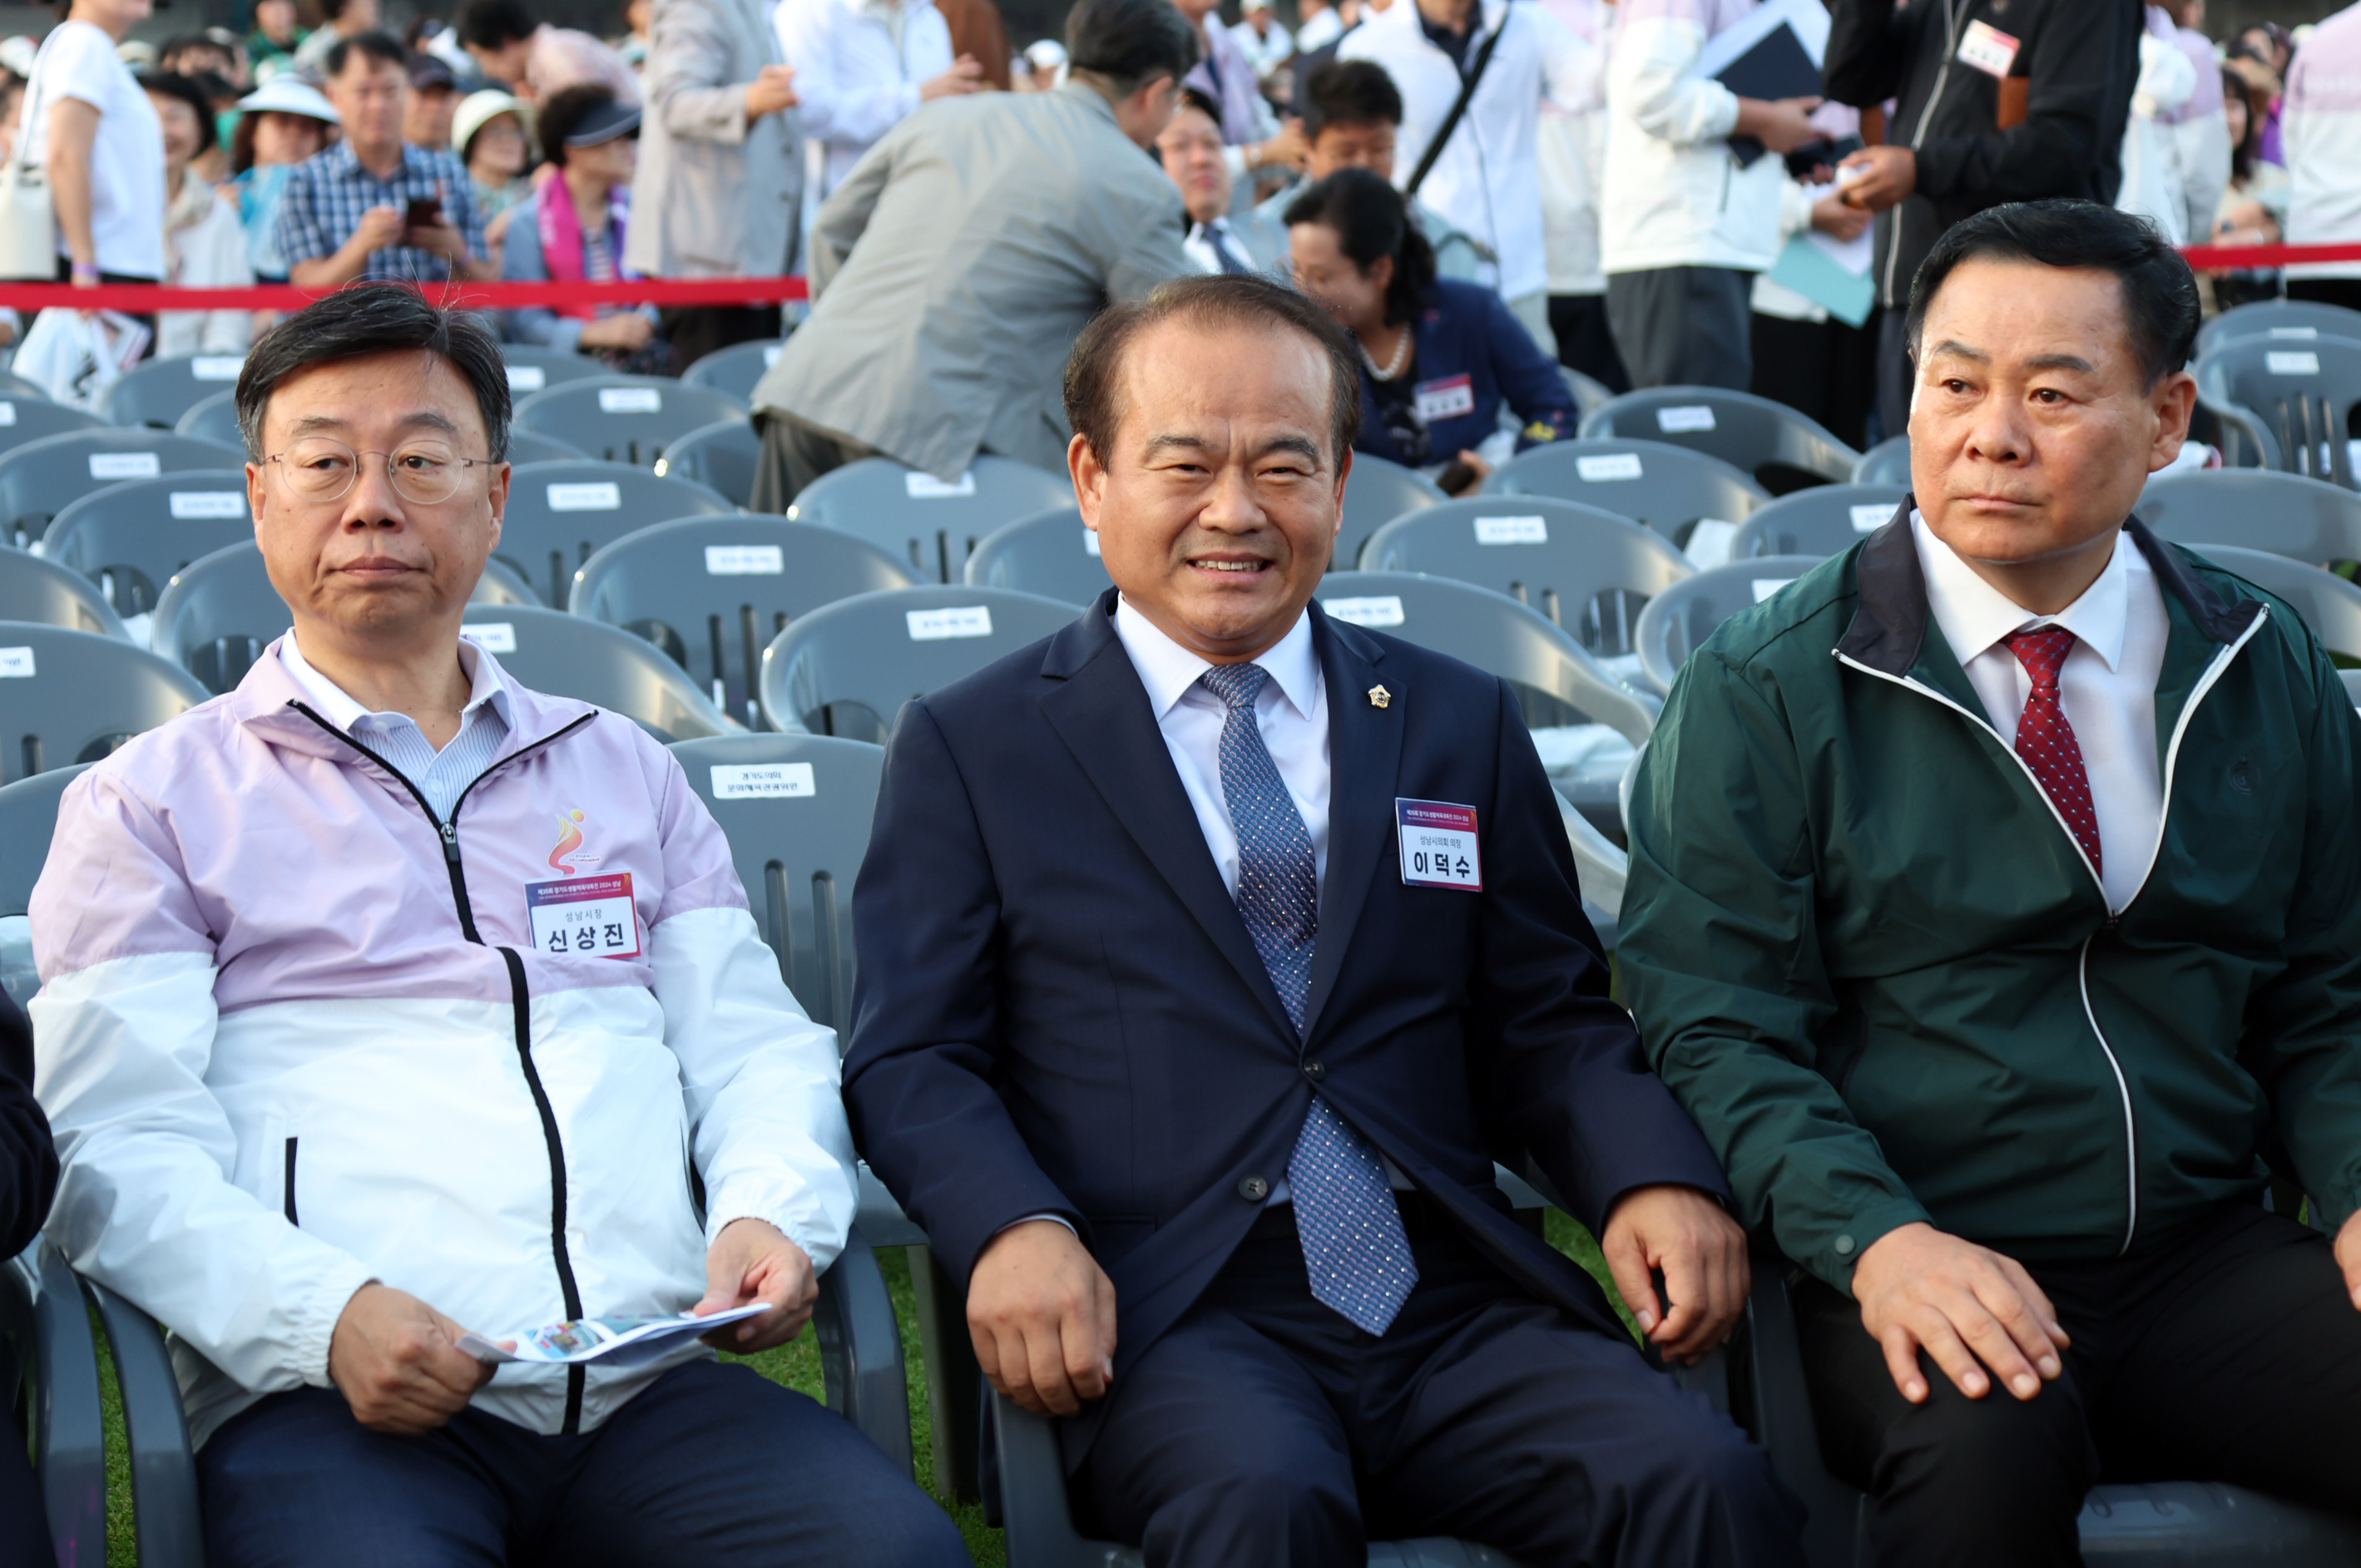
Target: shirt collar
[1973, 615]
[1169, 669]
[338, 708]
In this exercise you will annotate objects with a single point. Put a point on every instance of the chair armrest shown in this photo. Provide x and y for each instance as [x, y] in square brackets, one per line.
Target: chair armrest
[880, 1215]
[41, 1311]
[163, 1466]
[1033, 1511]
[860, 1350]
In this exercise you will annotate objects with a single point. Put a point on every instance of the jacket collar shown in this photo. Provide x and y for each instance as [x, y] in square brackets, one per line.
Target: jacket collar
[265, 703]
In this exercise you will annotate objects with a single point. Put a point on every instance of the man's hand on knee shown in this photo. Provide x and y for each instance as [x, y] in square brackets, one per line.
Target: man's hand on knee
[1966, 1306]
[397, 1362]
[750, 1261]
[1041, 1313]
[2349, 1256]
[1686, 1236]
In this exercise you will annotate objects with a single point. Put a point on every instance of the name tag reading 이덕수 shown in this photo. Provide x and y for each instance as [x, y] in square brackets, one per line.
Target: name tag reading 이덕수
[584, 916]
[16, 664]
[1450, 397]
[125, 466]
[1688, 416]
[926, 487]
[1987, 48]
[601, 496]
[962, 621]
[1871, 518]
[492, 637]
[1438, 844]
[1511, 531]
[2292, 362]
[1608, 466]
[630, 400]
[744, 560]
[208, 503]
[215, 367]
[527, 377]
[1378, 609]
[763, 781]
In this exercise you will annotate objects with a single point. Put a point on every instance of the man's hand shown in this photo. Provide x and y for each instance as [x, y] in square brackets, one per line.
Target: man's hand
[750, 1261]
[2349, 1256]
[398, 1363]
[438, 239]
[379, 227]
[1891, 173]
[1783, 124]
[964, 76]
[1041, 1313]
[1966, 1306]
[1290, 149]
[1699, 1249]
[1832, 217]
[770, 92]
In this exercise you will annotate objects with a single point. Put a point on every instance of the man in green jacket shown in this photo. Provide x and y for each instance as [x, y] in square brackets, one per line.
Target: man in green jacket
[1995, 907]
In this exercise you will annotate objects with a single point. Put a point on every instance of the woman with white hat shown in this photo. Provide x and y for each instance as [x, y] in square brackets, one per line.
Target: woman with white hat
[492, 138]
[280, 124]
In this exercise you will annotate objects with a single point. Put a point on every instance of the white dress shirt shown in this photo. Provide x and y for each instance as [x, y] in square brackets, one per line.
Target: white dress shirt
[439, 776]
[2107, 685]
[1199, 244]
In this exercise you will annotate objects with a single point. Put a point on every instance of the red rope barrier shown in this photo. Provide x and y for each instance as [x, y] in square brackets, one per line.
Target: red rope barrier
[2246, 257]
[139, 299]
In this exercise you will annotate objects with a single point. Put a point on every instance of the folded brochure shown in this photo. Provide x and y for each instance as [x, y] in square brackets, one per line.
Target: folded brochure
[618, 1341]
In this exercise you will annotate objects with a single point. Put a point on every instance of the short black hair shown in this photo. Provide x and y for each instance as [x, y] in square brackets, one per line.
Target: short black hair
[1372, 221]
[492, 24]
[169, 55]
[1350, 93]
[1198, 98]
[2159, 293]
[375, 318]
[563, 115]
[1261, 305]
[1129, 43]
[382, 47]
[172, 86]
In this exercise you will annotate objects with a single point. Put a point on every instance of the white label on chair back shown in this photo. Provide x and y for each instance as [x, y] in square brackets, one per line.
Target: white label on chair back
[601, 495]
[1609, 465]
[1511, 531]
[1871, 518]
[1765, 587]
[744, 560]
[2301, 333]
[1091, 543]
[1383, 610]
[217, 366]
[7, 412]
[14, 662]
[771, 353]
[761, 780]
[1688, 416]
[492, 636]
[208, 503]
[960, 620]
[2292, 362]
[125, 466]
[630, 400]
[926, 487]
[527, 377]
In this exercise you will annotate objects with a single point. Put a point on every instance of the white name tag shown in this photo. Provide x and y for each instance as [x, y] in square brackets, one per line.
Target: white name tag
[2300, 334]
[125, 466]
[926, 487]
[2292, 362]
[208, 503]
[1871, 518]
[630, 400]
[7, 412]
[601, 496]
[1688, 416]
[1608, 466]
[527, 379]
[215, 367]
[492, 636]
[936, 625]
[763, 781]
[744, 560]
[1511, 531]
[1765, 587]
[1987, 48]
[584, 917]
[16, 664]
[1382, 610]
[1438, 844]
[1449, 397]
[771, 353]
[1091, 543]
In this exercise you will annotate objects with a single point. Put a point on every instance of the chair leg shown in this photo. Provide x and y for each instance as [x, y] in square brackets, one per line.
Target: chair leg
[860, 1350]
[61, 1359]
[163, 1466]
[954, 1381]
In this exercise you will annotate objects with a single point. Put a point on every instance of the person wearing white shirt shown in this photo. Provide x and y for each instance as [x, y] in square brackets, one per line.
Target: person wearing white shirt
[1218, 240]
[2151, 159]
[863, 66]
[1320, 27]
[86, 121]
[1264, 43]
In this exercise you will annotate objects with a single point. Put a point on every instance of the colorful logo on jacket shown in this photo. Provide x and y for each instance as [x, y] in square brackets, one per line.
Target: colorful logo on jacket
[569, 842]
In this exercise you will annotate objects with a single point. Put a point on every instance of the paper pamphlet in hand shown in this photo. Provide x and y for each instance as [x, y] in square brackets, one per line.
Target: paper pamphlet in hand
[618, 1341]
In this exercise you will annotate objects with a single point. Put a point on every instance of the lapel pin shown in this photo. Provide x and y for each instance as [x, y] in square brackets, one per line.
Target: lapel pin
[1379, 696]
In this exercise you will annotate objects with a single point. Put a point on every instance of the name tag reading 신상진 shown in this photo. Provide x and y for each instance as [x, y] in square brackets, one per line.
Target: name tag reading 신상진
[1438, 844]
[587, 916]
[1447, 398]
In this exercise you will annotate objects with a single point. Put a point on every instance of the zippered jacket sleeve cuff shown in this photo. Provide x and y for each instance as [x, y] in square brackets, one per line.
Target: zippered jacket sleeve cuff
[316, 1319]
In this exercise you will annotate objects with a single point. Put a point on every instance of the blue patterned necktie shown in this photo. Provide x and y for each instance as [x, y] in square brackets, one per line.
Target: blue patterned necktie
[1354, 1245]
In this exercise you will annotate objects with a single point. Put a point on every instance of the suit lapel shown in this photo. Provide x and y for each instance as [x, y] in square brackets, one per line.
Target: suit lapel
[1365, 744]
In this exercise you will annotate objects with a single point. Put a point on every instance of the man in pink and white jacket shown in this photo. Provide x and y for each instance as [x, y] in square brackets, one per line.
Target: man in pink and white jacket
[386, 1000]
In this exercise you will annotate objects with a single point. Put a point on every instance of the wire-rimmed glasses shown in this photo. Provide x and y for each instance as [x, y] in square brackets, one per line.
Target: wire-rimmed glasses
[319, 469]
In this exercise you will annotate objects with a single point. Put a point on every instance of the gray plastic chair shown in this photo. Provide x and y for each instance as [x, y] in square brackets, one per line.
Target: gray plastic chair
[1783, 450]
[157, 393]
[1660, 487]
[2285, 405]
[41, 479]
[13, 385]
[734, 371]
[1679, 619]
[1376, 492]
[568, 655]
[1589, 395]
[624, 418]
[1887, 463]
[849, 668]
[213, 418]
[916, 518]
[30, 419]
[29, 821]
[2330, 606]
[712, 591]
[534, 446]
[722, 457]
[1051, 554]
[73, 697]
[1588, 570]
[535, 369]
[2286, 514]
[49, 1358]
[46, 594]
[559, 513]
[1828, 520]
[130, 538]
[2290, 321]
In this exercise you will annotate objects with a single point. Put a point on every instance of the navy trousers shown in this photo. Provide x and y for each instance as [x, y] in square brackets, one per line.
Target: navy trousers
[711, 1464]
[1266, 1429]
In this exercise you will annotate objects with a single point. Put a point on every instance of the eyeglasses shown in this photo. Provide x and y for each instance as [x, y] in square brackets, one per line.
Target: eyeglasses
[320, 469]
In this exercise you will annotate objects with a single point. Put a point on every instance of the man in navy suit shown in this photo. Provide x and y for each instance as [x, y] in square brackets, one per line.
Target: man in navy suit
[1210, 952]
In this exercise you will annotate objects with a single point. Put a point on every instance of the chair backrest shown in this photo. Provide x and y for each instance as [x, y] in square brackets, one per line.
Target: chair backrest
[29, 821]
[532, 447]
[534, 370]
[917, 518]
[1783, 449]
[2290, 321]
[848, 668]
[130, 538]
[560, 513]
[1660, 487]
[73, 697]
[1559, 682]
[1378, 492]
[2293, 400]
[571, 655]
[795, 809]
[159, 392]
[2329, 605]
[30, 419]
[1589, 395]
[1887, 463]
[1050, 554]
[1679, 619]
[41, 479]
[1588, 570]
[13, 385]
[1825, 520]
[712, 591]
[2256, 508]
[722, 456]
[734, 371]
[624, 418]
[212, 418]
[46, 594]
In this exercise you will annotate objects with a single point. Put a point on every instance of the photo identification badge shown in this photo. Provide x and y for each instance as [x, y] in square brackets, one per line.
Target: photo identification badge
[1438, 844]
[588, 916]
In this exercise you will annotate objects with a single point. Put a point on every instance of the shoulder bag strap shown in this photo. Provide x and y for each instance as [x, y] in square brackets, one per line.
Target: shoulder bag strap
[1459, 107]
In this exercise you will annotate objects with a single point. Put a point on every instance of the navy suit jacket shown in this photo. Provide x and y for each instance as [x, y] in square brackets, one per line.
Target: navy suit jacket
[1058, 1009]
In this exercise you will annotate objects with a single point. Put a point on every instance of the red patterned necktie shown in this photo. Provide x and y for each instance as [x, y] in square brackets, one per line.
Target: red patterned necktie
[2046, 742]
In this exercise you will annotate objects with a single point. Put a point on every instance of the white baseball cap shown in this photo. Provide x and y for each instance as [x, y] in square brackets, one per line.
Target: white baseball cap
[289, 94]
